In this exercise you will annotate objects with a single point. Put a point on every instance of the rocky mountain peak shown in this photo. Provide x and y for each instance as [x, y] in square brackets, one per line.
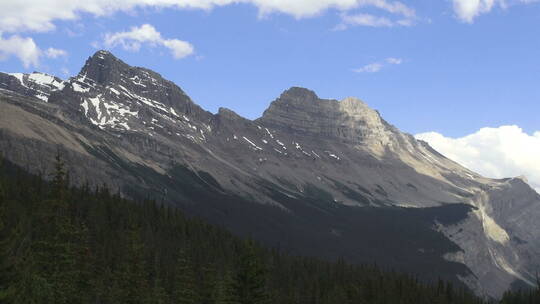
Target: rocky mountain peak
[301, 111]
[228, 114]
[354, 105]
[114, 95]
[103, 55]
[103, 67]
[299, 94]
[523, 178]
[357, 111]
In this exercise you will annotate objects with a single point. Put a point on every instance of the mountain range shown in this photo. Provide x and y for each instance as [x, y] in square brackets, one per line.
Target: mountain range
[312, 176]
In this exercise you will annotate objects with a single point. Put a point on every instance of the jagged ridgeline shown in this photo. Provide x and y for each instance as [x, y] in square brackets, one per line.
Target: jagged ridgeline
[85, 245]
[317, 177]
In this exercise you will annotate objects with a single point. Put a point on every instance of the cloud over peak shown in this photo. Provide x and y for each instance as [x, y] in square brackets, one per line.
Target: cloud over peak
[506, 151]
[133, 39]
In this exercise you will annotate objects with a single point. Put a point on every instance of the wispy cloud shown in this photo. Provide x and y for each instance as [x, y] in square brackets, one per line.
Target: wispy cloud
[402, 15]
[55, 53]
[375, 67]
[65, 72]
[370, 68]
[146, 34]
[364, 20]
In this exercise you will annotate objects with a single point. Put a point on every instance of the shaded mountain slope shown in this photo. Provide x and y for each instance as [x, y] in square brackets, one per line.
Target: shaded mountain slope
[319, 177]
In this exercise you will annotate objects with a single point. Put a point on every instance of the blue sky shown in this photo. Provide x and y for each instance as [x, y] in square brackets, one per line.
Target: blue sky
[447, 69]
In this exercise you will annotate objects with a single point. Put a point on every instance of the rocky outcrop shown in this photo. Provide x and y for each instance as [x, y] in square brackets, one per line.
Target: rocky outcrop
[37, 84]
[300, 111]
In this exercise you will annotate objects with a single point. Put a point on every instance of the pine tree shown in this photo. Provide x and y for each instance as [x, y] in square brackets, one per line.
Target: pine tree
[130, 280]
[59, 181]
[7, 238]
[51, 266]
[225, 292]
[251, 278]
[55, 257]
[84, 283]
[158, 293]
[208, 284]
[184, 288]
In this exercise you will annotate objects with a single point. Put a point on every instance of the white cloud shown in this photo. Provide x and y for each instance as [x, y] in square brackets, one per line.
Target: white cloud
[147, 34]
[26, 50]
[39, 15]
[55, 53]
[179, 48]
[468, 10]
[23, 48]
[501, 152]
[377, 66]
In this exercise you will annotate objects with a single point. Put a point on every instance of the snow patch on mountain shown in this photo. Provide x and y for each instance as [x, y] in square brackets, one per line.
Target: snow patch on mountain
[44, 79]
[19, 76]
[252, 144]
[40, 84]
[78, 88]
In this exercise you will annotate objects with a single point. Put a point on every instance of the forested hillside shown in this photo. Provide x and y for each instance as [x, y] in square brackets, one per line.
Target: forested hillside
[79, 245]
[522, 296]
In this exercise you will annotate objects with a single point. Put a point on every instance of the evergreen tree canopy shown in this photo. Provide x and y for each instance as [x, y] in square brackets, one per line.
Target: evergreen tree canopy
[61, 244]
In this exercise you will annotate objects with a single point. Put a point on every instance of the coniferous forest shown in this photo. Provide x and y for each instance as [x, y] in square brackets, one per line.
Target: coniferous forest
[60, 244]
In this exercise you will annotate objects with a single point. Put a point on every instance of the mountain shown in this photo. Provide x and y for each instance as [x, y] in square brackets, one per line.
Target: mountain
[314, 176]
[106, 249]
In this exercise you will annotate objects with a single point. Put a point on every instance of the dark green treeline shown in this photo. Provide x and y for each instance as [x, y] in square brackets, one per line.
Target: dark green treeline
[80, 245]
[531, 296]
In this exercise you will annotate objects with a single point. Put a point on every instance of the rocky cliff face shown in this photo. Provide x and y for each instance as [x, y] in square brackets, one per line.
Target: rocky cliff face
[320, 177]
[37, 84]
[299, 111]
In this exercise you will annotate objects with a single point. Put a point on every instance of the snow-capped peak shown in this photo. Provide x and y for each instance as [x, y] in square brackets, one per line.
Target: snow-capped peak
[38, 84]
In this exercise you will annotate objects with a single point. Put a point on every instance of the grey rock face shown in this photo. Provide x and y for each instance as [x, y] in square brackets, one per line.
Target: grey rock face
[313, 167]
[108, 72]
[37, 84]
[300, 111]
